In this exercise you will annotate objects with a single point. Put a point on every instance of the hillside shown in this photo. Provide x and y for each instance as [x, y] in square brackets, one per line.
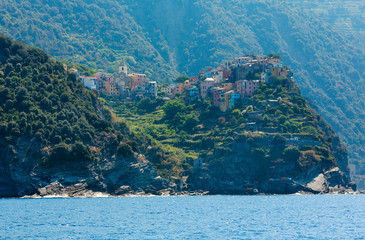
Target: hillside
[328, 59]
[56, 138]
[237, 136]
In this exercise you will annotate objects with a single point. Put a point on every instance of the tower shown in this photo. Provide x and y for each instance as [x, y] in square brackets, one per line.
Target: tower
[123, 68]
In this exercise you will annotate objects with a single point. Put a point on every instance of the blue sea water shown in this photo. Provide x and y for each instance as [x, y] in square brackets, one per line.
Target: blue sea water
[185, 217]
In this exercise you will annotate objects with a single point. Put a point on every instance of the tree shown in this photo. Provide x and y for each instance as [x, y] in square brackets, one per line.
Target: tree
[64, 97]
[124, 150]
[60, 154]
[171, 108]
[4, 95]
[22, 94]
[181, 79]
[190, 123]
[80, 152]
[274, 55]
[291, 154]
[46, 104]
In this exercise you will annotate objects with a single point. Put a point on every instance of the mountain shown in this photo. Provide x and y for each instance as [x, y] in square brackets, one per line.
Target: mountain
[58, 139]
[320, 40]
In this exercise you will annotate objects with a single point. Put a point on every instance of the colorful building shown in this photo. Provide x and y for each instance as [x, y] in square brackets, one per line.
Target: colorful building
[217, 91]
[246, 88]
[206, 87]
[224, 99]
[191, 94]
[136, 80]
[89, 82]
[279, 72]
[166, 90]
[234, 98]
[151, 90]
[227, 85]
[110, 89]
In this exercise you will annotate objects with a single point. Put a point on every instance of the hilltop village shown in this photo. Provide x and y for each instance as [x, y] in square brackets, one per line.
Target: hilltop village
[228, 84]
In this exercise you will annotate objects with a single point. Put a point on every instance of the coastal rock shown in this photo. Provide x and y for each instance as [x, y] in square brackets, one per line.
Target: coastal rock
[332, 181]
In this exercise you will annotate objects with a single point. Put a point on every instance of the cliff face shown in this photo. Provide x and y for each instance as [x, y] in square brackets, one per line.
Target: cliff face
[106, 175]
[276, 159]
[244, 173]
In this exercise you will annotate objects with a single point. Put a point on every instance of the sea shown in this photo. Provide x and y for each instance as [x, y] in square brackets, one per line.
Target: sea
[185, 217]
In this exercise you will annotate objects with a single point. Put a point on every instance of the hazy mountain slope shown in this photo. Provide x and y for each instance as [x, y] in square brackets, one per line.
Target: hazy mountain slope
[343, 16]
[97, 33]
[164, 38]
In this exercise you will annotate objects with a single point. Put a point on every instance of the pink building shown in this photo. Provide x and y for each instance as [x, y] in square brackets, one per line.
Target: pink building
[226, 74]
[137, 80]
[247, 88]
[274, 60]
[217, 91]
[206, 86]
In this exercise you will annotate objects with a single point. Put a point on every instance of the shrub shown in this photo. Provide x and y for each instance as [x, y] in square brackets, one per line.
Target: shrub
[308, 158]
[124, 150]
[292, 153]
[279, 140]
[171, 108]
[60, 154]
[80, 152]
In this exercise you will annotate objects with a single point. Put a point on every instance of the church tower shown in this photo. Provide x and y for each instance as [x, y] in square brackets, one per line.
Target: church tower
[123, 68]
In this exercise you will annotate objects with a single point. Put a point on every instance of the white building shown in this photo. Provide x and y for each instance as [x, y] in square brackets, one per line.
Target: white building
[89, 82]
[166, 90]
[218, 76]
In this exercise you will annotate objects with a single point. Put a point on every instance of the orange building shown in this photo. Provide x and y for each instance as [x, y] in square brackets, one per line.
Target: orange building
[279, 72]
[110, 89]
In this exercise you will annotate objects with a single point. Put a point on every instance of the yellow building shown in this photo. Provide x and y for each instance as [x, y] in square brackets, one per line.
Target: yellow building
[279, 72]
[187, 84]
[227, 86]
[224, 99]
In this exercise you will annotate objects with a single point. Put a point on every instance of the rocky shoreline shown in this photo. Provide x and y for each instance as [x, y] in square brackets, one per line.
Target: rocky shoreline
[319, 186]
[90, 194]
[141, 179]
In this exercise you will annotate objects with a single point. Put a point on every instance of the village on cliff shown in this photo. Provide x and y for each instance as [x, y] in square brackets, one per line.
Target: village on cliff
[227, 85]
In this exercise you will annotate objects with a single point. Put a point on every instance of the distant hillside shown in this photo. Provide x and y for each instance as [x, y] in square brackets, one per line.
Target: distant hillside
[165, 38]
[344, 17]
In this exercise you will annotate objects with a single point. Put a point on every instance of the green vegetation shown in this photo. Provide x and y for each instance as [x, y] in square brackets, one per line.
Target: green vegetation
[183, 36]
[47, 111]
[181, 79]
[49, 119]
[276, 125]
